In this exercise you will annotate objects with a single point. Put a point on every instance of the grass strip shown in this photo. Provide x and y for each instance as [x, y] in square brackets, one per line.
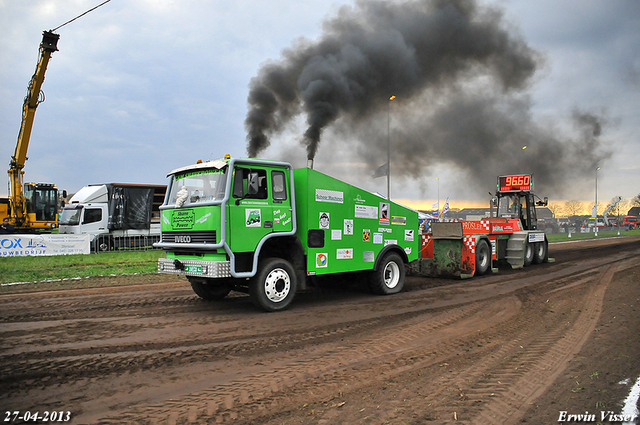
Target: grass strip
[561, 237]
[35, 269]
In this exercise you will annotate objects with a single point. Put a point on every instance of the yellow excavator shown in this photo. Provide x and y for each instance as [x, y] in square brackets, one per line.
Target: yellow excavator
[31, 206]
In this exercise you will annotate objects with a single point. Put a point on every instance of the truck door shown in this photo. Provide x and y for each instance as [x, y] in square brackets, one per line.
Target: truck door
[281, 201]
[528, 215]
[250, 210]
[94, 221]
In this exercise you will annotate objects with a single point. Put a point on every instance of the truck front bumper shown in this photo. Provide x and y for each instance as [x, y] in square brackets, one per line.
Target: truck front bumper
[208, 269]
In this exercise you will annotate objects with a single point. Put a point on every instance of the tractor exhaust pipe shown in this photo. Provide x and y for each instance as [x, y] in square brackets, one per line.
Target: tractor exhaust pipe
[310, 163]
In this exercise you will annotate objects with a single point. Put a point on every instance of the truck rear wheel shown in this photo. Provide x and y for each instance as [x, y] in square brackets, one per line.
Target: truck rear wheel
[541, 252]
[274, 286]
[528, 253]
[483, 257]
[389, 278]
[210, 291]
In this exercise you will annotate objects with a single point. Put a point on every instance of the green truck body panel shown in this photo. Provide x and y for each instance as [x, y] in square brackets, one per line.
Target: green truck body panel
[352, 225]
[355, 223]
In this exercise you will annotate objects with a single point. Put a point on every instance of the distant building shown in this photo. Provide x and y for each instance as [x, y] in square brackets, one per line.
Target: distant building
[634, 211]
[544, 213]
[472, 213]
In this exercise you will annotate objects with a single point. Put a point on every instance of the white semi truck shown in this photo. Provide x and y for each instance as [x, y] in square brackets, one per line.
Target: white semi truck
[115, 215]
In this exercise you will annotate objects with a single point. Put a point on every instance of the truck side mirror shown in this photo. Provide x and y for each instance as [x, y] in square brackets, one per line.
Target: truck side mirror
[253, 186]
[546, 201]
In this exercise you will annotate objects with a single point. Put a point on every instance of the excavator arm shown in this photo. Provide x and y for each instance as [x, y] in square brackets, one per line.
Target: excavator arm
[614, 202]
[31, 101]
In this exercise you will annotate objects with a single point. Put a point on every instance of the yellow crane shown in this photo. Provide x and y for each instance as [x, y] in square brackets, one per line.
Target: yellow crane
[31, 206]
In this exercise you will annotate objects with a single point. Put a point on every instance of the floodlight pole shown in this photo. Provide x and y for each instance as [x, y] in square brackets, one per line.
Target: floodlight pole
[389, 146]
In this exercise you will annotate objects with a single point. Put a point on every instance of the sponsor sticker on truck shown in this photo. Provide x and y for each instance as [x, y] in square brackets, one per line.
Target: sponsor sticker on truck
[182, 219]
[252, 217]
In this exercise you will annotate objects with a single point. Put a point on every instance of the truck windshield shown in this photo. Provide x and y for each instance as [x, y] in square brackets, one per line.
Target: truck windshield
[193, 187]
[509, 206]
[70, 216]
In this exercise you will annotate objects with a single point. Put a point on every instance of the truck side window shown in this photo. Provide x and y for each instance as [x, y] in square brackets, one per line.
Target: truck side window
[241, 184]
[279, 186]
[92, 215]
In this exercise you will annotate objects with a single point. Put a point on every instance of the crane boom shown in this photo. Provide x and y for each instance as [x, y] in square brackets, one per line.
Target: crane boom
[39, 200]
[32, 99]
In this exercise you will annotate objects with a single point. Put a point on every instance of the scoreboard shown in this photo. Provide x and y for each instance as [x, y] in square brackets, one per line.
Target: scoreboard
[518, 183]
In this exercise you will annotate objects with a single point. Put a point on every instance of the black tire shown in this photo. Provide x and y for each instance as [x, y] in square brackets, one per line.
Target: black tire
[528, 253]
[483, 257]
[389, 278]
[541, 252]
[104, 244]
[212, 291]
[274, 286]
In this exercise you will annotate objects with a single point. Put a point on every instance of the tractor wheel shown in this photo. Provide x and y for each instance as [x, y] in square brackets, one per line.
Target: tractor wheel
[210, 291]
[389, 278]
[483, 257]
[274, 286]
[528, 253]
[541, 252]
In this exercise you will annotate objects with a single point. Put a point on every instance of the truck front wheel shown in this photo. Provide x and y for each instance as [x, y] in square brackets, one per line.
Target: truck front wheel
[389, 278]
[274, 286]
[210, 291]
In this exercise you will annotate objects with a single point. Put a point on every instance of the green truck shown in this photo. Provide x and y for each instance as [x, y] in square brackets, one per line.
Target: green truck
[261, 227]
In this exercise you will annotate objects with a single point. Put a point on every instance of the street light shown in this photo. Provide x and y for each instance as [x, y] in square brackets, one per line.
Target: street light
[596, 216]
[389, 145]
[596, 207]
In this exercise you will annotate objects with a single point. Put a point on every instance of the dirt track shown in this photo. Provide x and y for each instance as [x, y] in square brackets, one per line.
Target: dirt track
[515, 347]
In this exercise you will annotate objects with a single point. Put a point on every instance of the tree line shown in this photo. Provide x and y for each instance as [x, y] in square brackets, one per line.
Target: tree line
[574, 207]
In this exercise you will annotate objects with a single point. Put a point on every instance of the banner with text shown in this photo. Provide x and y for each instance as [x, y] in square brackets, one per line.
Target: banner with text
[47, 244]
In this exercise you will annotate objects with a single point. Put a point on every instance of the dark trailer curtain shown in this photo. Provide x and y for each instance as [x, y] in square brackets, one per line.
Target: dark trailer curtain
[129, 207]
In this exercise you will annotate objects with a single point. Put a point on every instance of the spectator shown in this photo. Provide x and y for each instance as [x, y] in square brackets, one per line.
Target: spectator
[6, 228]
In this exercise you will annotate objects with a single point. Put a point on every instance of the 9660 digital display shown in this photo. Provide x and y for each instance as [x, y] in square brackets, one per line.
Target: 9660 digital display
[519, 183]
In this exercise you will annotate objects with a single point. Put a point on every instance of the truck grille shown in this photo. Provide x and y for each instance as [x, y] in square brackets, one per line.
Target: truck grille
[189, 237]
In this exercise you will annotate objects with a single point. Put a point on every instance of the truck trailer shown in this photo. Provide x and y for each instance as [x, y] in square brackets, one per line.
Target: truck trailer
[261, 227]
[115, 215]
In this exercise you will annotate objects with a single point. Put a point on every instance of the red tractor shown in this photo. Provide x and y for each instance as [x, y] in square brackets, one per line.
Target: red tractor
[467, 248]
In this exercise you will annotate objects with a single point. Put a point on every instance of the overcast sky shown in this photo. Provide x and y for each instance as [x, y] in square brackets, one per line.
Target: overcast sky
[141, 87]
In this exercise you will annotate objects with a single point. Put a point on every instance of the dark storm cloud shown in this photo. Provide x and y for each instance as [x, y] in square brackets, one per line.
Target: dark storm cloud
[483, 136]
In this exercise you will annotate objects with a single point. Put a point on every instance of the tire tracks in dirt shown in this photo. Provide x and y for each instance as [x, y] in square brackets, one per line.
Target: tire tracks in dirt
[412, 344]
[309, 354]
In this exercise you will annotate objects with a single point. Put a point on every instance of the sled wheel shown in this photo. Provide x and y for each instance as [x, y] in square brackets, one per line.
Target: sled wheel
[541, 252]
[528, 253]
[483, 257]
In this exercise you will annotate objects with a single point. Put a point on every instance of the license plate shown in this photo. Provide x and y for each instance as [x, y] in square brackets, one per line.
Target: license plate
[193, 269]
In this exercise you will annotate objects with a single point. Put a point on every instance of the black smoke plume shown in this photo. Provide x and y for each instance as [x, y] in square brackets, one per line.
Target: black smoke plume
[459, 72]
[377, 49]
